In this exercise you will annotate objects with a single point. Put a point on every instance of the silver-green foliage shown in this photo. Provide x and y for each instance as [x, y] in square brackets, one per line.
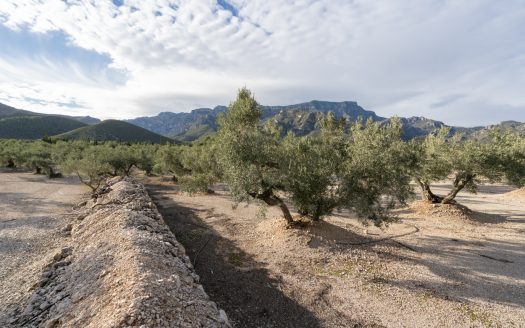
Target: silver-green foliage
[468, 163]
[366, 169]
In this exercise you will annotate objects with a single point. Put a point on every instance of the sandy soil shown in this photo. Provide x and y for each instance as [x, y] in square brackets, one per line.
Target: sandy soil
[32, 211]
[424, 271]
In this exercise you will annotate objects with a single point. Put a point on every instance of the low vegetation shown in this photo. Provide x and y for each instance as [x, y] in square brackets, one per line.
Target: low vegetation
[366, 167]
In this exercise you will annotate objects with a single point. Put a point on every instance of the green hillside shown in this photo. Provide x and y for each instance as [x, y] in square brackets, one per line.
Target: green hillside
[8, 111]
[36, 127]
[114, 130]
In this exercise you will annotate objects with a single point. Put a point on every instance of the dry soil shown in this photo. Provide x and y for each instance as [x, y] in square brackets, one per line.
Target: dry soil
[426, 270]
[32, 211]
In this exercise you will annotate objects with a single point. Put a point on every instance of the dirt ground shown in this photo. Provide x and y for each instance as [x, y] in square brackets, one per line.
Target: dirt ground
[32, 211]
[423, 271]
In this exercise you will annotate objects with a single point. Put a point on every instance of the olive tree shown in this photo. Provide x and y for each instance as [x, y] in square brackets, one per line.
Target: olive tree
[37, 156]
[377, 170]
[200, 166]
[468, 163]
[89, 166]
[366, 170]
[249, 153]
[509, 149]
[144, 155]
[167, 160]
[312, 167]
[10, 153]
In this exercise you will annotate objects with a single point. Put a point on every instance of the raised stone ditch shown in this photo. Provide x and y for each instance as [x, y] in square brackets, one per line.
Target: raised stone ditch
[122, 267]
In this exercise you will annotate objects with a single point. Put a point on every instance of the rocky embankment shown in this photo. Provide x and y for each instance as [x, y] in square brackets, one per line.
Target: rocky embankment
[122, 267]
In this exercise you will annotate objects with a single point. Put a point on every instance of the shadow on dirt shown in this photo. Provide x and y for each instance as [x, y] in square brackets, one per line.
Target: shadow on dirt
[249, 294]
[491, 270]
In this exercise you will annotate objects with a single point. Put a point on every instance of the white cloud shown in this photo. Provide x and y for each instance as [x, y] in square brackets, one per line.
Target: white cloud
[395, 57]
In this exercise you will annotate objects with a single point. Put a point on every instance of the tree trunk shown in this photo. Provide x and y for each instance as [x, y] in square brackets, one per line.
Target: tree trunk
[38, 170]
[128, 170]
[427, 194]
[10, 163]
[317, 213]
[459, 184]
[52, 174]
[286, 212]
[271, 199]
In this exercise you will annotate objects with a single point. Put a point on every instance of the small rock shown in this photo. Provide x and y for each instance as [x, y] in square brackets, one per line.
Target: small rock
[67, 228]
[59, 287]
[58, 256]
[29, 308]
[223, 318]
[130, 320]
[51, 323]
[44, 305]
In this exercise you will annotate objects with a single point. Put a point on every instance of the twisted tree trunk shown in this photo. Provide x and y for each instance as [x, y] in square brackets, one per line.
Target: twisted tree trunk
[286, 212]
[427, 194]
[271, 199]
[459, 184]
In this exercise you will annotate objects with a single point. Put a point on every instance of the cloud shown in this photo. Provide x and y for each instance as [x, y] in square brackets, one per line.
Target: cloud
[435, 58]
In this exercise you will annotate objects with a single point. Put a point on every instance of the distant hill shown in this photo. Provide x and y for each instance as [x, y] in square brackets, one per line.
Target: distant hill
[8, 111]
[36, 127]
[482, 133]
[85, 119]
[114, 130]
[172, 124]
[302, 118]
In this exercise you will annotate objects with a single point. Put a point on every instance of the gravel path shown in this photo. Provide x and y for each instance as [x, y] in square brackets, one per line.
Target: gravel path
[32, 211]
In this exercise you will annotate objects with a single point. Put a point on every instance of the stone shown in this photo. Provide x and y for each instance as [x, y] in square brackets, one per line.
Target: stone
[223, 318]
[58, 256]
[51, 323]
[130, 320]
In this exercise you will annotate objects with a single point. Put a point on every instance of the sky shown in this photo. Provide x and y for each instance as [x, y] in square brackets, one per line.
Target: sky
[458, 61]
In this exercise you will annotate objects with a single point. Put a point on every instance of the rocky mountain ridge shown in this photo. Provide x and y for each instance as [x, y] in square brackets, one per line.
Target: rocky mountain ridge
[301, 119]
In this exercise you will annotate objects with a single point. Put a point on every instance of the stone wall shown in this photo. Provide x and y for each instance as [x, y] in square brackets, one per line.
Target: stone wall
[122, 267]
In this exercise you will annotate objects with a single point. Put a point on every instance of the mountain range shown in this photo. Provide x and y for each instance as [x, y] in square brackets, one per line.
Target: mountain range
[302, 119]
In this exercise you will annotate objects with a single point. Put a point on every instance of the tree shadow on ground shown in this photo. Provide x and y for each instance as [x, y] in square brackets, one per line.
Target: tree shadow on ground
[242, 286]
[23, 203]
[488, 269]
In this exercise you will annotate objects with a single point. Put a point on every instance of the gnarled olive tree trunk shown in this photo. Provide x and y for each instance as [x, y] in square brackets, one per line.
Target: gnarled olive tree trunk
[459, 183]
[427, 194]
[269, 197]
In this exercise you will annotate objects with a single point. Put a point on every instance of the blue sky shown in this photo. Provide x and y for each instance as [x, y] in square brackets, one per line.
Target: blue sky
[462, 61]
